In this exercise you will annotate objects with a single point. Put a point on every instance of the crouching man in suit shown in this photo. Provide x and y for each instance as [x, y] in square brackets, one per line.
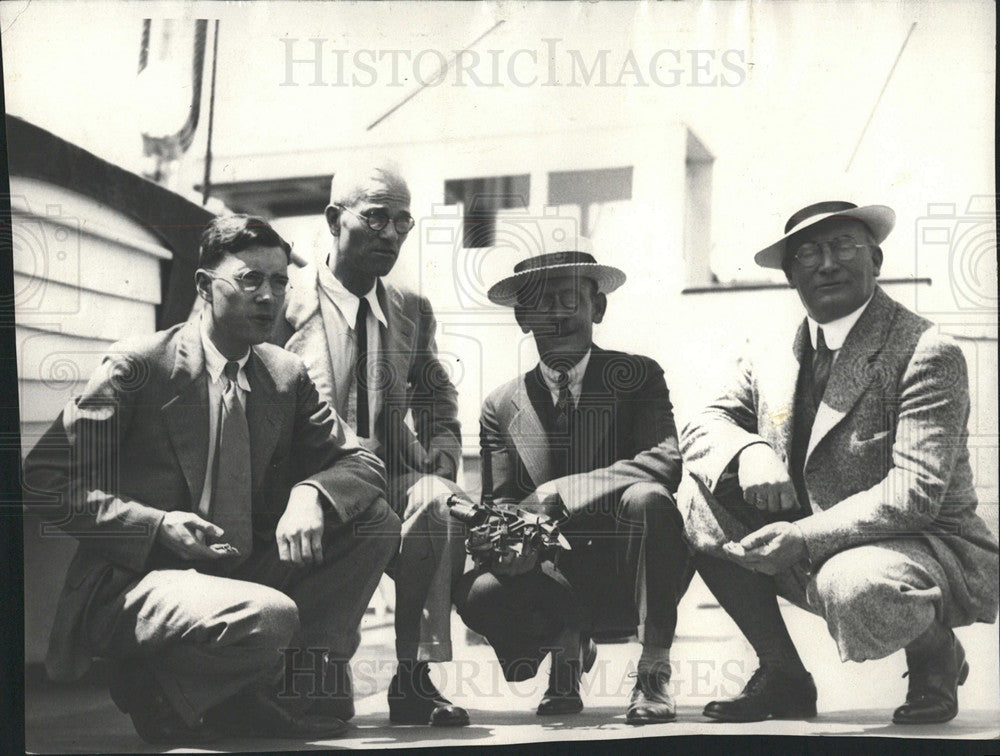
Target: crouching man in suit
[225, 517]
[590, 432]
[370, 346]
[833, 469]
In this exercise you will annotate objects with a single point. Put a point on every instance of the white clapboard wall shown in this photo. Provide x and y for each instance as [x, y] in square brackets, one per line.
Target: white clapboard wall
[85, 276]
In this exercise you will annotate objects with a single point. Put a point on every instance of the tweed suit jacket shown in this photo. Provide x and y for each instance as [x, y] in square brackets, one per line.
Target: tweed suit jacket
[630, 429]
[417, 429]
[887, 457]
[134, 446]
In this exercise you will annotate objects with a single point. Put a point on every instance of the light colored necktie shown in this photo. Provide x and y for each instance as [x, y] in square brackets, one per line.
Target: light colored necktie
[230, 508]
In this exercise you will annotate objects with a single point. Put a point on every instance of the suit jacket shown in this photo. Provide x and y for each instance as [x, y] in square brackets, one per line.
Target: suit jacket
[887, 456]
[134, 446]
[416, 384]
[626, 414]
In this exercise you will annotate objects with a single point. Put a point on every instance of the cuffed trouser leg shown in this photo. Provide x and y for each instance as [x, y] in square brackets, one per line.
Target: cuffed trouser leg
[430, 563]
[654, 557]
[878, 598]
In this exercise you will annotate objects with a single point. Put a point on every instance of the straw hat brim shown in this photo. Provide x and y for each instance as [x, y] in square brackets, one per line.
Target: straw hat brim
[880, 220]
[505, 292]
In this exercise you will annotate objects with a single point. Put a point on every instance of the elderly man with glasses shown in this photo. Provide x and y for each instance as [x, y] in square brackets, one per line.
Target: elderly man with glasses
[370, 347]
[833, 469]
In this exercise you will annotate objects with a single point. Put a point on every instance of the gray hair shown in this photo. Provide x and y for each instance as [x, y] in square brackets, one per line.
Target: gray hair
[353, 179]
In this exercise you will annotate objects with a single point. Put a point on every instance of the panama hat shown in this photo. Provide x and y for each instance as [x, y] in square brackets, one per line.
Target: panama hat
[569, 262]
[879, 219]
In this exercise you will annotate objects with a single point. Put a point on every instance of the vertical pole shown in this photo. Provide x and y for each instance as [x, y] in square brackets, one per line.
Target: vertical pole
[206, 184]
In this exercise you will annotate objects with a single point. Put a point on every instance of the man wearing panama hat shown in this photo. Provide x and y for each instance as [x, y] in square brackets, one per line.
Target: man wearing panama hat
[833, 469]
[588, 432]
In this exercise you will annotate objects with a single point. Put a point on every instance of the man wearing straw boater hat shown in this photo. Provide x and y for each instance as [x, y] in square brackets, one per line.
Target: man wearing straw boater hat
[833, 469]
[588, 432]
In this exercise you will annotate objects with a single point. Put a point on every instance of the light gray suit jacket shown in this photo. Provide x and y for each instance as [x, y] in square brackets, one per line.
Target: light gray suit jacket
[888, 455]
[416, 384]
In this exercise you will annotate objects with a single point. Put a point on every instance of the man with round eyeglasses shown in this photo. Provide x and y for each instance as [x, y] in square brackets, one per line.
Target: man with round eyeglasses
[370, 346]
[220, 509]
[833, 469]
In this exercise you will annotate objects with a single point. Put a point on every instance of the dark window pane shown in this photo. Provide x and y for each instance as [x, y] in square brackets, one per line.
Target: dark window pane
[480, 199]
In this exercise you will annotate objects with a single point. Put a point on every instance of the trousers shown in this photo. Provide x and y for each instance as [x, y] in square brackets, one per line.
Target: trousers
[430, 562]
[876, 598]
[206, 637]
[627, 571]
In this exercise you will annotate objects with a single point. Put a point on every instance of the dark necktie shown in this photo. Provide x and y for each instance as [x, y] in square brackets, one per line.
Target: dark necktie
[821, 368]
[561, 447]
[230, 507]
[564, 403]
[361, 366]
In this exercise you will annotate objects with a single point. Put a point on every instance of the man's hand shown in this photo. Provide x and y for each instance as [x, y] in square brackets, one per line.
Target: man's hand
[765, 480]
[427, 488]
[184, 534]
[515, 564]
[544, 500]
[300, 530]
[771, 549]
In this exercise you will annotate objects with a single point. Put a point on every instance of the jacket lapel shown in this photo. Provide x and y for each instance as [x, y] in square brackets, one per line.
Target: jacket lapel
[530, 438]
[263, 417]
[397, 338]
[595, 410]
[186, 413]
[854, 368]
[396, 352]
[310, 341]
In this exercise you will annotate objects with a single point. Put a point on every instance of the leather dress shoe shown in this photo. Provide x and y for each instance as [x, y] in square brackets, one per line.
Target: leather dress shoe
[769, 693]
[932, 696]
[337, 699]
[650, 701]
[136, 692]
[563, 694]
[413, 699]
[257, 713]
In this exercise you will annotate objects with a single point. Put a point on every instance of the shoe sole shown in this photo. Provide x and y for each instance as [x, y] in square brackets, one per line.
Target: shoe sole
[649, 720]
[402, 720]
[785, 715]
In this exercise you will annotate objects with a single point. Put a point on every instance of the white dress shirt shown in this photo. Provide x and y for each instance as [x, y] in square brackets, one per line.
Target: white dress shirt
[215, 365]
[835, 332]
[575, 375]
[343, 349]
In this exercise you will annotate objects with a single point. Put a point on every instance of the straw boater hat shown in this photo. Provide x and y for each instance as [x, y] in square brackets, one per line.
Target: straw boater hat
[879, 219]
[530, 272]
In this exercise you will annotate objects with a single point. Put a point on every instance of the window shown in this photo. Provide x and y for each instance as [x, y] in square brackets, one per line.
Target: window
[481, 199]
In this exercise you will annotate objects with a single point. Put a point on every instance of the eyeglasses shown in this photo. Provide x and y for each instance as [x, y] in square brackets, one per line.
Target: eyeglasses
[251, 280]
[379, 219]
[844, 248]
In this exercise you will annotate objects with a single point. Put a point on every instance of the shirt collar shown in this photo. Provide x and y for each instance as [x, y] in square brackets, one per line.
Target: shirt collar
[835, 332]
[347, 302]
[215, 361]
[575, 375]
